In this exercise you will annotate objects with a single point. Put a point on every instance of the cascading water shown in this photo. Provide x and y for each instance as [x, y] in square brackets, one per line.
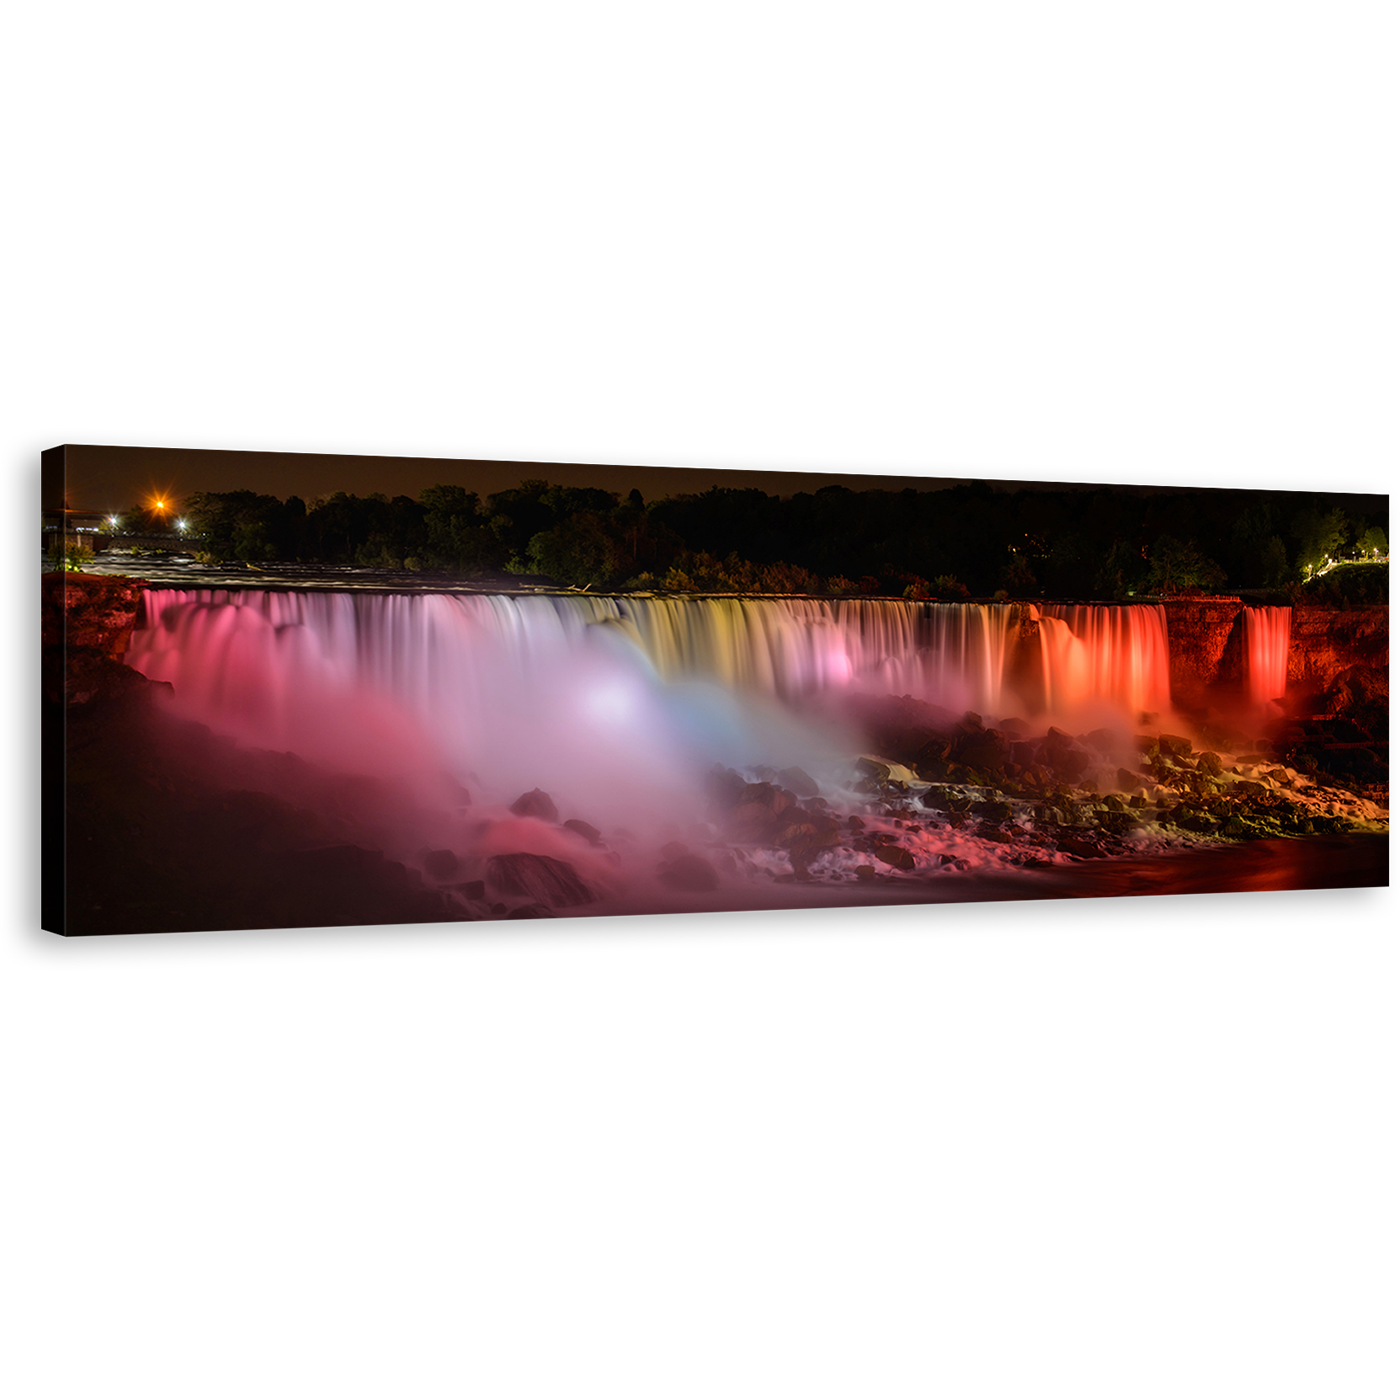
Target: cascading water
[276, 664]
[1099, 658]
[618, 707]
[1266, 637]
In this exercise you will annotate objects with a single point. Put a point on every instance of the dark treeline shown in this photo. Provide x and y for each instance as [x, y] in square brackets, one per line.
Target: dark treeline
[968, 540]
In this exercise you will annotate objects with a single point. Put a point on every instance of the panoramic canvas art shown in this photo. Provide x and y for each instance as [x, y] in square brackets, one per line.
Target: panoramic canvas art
[287, 690]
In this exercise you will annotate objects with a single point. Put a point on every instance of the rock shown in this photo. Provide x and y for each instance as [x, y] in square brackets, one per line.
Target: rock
[801, 783]
[752, 824]
[988, 750]
[542, 878]
[530, 911]
[591, 834]
[673, 850]
[535, 803]
[872, 768]
[1210, 764]
[472, 889]
[1065, 762]
[86, 624]
[865, 872]
[798, 825]
[723, 786]
[441, 865]
[775, 799]
[456, 793]
[1174, 744]
[1128, 781]
[690, 872]
[1104, 740]
[893, 855]
[1083, 846]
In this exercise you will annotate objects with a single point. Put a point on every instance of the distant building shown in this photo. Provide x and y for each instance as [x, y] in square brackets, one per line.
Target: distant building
[73, 521]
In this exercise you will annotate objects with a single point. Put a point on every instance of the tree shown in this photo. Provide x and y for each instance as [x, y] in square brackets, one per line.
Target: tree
[1374, 544]
[1017, 577]
[1123, 572]
[1320, 535]
[1176, 566]
[579, 552]
[1274, 564]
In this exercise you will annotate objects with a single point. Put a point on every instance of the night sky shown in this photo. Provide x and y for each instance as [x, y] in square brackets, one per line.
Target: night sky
[119, 472]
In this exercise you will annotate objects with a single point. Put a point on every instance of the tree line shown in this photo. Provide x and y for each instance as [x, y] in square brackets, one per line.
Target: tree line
[966, 540]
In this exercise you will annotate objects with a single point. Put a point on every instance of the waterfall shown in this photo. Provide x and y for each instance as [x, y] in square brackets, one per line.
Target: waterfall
[1266, 635]
[519, 688]
[1101, 656]
[455, 706]
[784, 649]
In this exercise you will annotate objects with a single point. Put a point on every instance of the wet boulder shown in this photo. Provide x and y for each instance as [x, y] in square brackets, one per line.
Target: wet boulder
[590, 833]
[893, 855]
[540, 878]
[751, 824]
[535, 803]
[775, 799]
[986, 750]
[440, 865]
[803, 784]
[1065, 761]
[723, 787]
[691, 873]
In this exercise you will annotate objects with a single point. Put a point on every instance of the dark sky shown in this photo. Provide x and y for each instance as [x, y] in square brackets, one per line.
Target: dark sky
[116, 471]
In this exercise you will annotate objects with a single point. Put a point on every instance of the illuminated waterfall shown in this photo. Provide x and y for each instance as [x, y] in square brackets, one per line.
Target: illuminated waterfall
[1101, 656]
[488, 685]
[1266, 636]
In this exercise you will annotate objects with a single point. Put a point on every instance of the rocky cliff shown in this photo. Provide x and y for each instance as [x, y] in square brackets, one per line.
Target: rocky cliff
[86, 626]
[1206, 640]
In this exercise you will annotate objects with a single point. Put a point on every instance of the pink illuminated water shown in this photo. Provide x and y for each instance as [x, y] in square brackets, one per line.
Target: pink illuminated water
[444, 708]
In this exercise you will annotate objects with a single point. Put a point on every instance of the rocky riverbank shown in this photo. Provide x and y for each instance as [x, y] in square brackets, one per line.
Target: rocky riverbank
[171, 828]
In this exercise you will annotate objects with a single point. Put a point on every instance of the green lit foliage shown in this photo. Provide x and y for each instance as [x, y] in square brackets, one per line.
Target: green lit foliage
[70, 553]
[1320, 535]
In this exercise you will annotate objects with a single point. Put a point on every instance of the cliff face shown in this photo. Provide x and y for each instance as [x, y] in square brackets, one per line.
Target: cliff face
[1207, 648]
[87, 623]
[1327, 641]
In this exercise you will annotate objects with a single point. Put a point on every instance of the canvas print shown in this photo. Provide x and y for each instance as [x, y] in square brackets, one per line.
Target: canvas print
[286, 690]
